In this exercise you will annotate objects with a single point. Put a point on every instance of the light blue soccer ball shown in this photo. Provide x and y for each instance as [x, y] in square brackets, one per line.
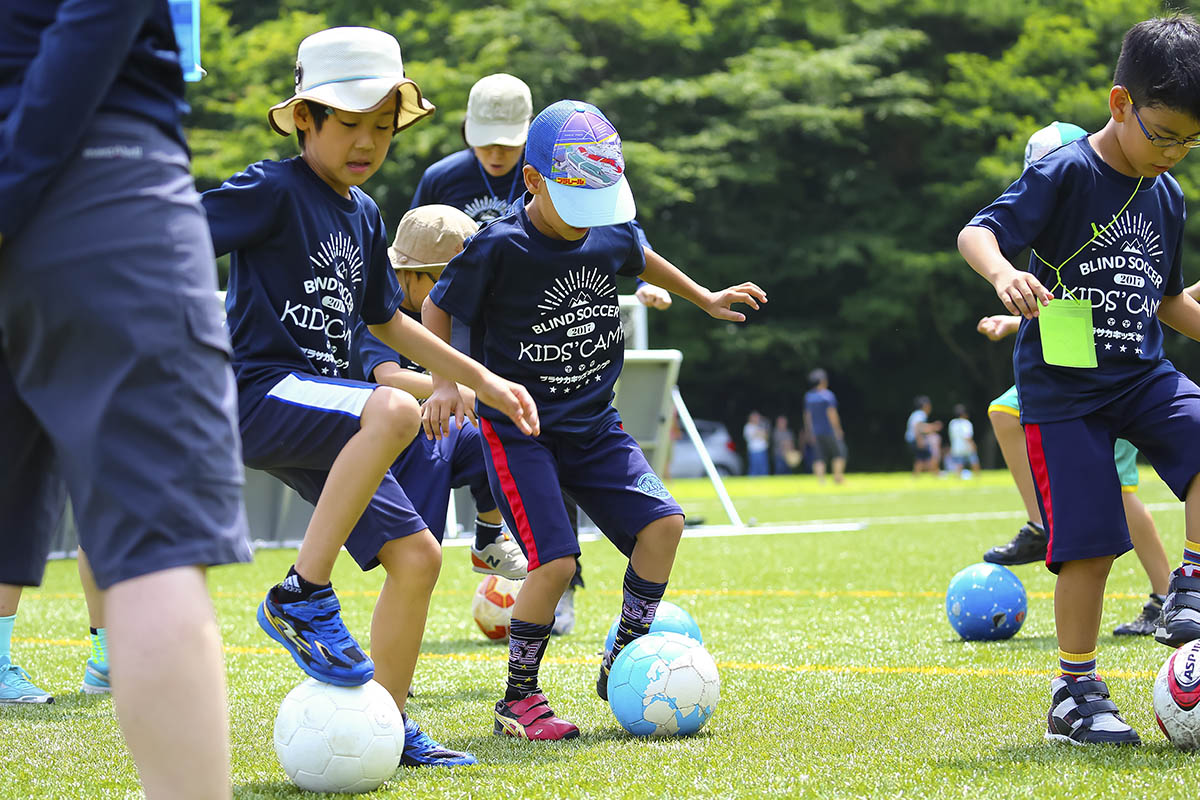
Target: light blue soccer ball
[986, 601]
[663, 684]
[668, 618]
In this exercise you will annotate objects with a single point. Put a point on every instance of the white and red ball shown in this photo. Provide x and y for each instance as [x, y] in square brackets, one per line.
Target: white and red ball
[491, 606]
[1177, 697]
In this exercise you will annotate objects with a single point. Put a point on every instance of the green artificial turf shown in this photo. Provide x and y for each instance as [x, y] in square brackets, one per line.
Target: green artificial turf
[840, 676]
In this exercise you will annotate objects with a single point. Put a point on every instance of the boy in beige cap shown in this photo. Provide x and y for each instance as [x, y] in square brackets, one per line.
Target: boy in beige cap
[309, 261]
[426, 239]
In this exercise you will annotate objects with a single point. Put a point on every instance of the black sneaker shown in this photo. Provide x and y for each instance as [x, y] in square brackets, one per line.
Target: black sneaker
[602, 681]
[1146, 622]
[1028, 546]
[1180, 620]
[1081, 713]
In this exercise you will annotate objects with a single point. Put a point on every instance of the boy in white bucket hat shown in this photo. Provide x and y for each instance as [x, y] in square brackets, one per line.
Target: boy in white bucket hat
[309, 260]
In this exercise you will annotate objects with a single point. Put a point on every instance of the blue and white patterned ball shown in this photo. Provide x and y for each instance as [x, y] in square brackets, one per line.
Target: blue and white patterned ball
[663, 684]
[668, 618]
[986, 601]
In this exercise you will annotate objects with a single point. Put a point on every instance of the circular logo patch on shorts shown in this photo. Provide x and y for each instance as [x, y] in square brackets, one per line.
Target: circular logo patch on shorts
[649, 484]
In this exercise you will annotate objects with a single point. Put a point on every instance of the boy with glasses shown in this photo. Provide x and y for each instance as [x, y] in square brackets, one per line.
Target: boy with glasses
[1105, 223]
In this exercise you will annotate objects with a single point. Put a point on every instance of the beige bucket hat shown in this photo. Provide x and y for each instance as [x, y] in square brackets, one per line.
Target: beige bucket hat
[429, 236]
[351, 69]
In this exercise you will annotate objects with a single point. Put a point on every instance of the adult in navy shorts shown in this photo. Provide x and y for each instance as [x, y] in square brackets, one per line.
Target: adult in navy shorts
[114, 362]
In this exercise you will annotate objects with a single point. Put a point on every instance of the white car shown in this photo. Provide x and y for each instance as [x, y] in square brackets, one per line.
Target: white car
[685, 461]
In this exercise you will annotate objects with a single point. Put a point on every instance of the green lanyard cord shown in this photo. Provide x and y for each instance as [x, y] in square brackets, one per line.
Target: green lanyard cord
[1096, 232]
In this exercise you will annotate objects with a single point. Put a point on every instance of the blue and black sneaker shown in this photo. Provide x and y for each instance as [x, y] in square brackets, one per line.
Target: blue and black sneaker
[313, 632]
[422, 751]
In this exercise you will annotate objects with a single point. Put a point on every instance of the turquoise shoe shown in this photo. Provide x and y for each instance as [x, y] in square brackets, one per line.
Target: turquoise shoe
[95, 679]
[15, 686]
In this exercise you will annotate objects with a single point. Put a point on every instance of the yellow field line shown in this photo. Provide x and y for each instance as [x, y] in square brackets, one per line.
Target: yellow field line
[884, 594]
[852, 669]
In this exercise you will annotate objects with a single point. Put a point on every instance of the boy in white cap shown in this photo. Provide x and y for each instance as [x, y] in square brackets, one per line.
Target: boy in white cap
[309, 259]
[538, 289]
[426, 239]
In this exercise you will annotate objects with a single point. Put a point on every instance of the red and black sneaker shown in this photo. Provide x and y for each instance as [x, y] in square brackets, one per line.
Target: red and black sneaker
[531, 718]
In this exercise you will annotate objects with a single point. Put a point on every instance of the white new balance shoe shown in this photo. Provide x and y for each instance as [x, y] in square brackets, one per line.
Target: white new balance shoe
[502, 557]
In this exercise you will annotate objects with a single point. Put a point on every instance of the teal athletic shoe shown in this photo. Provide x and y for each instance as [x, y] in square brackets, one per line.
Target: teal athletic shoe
[95, 679]
[15, 686]
[314, 634]
[422, 751]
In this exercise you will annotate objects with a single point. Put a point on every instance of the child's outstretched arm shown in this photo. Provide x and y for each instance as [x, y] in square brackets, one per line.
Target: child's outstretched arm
[1181, 312]
[411, 339]
[661, 272]
[1019, 291]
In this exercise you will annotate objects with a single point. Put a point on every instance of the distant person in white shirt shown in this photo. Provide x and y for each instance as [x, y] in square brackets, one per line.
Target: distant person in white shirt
[963, 456]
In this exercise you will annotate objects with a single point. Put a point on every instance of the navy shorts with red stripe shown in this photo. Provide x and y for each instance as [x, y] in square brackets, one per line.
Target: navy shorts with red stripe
[1078, 489]
[606, 473]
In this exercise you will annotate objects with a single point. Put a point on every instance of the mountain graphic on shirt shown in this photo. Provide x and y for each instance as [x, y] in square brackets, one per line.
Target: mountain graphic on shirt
[579, 287]
[1130, 246]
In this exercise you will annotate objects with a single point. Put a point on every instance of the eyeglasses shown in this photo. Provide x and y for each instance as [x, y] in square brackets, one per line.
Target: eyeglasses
[1160, 141]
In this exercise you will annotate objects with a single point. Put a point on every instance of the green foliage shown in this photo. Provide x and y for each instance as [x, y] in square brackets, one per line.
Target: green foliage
[829, 150]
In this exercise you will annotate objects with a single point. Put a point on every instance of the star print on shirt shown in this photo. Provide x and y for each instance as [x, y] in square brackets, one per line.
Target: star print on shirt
[1108, 347]
[1123, 348]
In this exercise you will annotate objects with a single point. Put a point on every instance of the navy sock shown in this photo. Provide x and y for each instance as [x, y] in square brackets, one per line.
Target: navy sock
[294, 588]
[486, 533]
[637, 611]
[526, 645]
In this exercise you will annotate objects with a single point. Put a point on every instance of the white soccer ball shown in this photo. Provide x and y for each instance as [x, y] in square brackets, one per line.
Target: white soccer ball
[339, 738]
[1177, 697]
[492, 603]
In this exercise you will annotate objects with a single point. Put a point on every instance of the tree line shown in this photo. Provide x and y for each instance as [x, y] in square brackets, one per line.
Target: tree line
[829, 150]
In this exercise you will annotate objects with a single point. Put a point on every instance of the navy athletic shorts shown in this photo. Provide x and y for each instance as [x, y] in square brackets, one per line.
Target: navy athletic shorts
[114, 364]
[1079, 490]
[607, 475]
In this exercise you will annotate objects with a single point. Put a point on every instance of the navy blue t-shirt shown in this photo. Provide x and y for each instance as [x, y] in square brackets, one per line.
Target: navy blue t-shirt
[817, 403]
[459, 180]
[61, 61]
[307, 264]
[544, 313]
[1056, 207]
[369, 352]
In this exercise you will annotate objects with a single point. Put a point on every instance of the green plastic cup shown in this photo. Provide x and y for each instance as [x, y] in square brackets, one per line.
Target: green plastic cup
[1067, 335]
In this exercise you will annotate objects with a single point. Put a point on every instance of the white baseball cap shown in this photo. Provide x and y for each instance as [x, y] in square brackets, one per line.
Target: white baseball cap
[351, 69]
[498, 111]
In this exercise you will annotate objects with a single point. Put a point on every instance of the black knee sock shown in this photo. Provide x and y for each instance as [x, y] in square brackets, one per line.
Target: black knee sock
[294, 588]
[486, 533]
[526, 645]
[637, 612]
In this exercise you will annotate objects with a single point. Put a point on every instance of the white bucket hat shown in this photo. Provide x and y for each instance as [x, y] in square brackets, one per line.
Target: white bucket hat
[498, 111]
[351, 69]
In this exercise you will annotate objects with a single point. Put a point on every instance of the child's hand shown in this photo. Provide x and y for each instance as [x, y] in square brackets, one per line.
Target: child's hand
[1021, 292]
[653, 296]
[445, 402]
[718, 303]
[468, 398]
[998, 326]
[513, 400]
